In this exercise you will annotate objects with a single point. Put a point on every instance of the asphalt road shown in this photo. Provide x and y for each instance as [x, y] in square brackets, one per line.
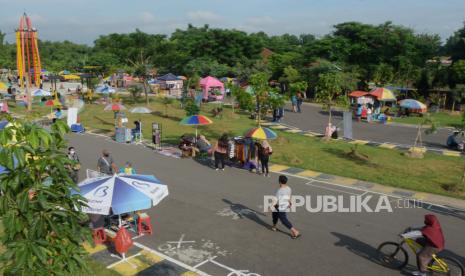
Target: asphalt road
[314, 119]
[216, 214]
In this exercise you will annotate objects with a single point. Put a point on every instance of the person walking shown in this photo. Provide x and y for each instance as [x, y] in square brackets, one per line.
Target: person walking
[221, 149]
[105, 163]
[264, 152]
[294, 102]
[76, 166]
[300, 100]
[280, 206]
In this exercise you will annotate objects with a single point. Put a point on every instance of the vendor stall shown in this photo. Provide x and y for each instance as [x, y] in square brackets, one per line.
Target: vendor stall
[213, 89]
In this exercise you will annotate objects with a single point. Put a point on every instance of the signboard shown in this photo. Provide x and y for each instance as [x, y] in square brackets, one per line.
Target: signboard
[347, 120]
[72, 116]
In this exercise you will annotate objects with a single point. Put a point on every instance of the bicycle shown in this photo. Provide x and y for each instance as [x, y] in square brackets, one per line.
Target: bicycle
[395, 256]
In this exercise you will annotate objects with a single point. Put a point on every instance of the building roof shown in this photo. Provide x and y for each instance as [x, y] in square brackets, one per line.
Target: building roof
[168, 77]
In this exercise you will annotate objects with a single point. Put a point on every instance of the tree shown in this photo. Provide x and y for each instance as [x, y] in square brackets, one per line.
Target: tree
[458, 95]
[141, 68]
[259, 82]
[328, 91]
[41, 219]
[417, 150]
[191, 107]
[135, 91]
[166, 101]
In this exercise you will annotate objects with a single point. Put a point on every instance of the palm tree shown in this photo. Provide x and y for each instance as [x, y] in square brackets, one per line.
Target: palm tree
[141, 69]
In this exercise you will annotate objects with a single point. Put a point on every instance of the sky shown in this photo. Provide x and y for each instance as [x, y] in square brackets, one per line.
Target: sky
[82, 21]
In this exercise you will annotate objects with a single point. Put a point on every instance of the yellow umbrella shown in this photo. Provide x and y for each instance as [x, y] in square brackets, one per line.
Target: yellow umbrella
[3, 86]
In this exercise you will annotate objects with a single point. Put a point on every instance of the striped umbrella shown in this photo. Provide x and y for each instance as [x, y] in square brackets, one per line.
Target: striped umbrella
[383, 94]
[262, 133]
[121, 193]
[196, 120]
[413, 105]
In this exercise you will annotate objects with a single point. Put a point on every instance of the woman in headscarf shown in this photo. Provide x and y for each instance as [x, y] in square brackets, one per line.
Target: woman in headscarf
[431, 238]
[264, 152]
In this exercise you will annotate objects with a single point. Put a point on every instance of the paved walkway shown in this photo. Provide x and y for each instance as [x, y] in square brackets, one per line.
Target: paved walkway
[213, 221]
[314, 119]
[291, 129]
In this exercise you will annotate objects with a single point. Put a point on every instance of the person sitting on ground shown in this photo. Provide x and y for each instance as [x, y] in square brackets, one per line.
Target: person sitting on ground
[186, 145]
[127, 169]
[452, 142]
[203, 144]
[431, 238]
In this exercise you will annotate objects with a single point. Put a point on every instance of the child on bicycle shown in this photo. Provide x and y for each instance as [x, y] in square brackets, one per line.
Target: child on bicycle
[431, 238]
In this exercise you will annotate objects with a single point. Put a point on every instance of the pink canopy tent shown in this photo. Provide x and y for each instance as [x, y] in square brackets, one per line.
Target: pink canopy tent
[210, 82]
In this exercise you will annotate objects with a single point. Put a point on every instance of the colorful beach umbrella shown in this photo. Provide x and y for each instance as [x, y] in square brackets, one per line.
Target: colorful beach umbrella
[121, 194]
[196, 120]
[262, 133]
[383, 94]
[413, 105]
[114, 107]
[3, 86]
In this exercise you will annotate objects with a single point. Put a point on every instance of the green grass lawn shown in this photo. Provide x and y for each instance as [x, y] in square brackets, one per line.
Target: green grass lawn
[98, 269]
[384, 166]
[93, 116]
[38, 111]
[444, 119]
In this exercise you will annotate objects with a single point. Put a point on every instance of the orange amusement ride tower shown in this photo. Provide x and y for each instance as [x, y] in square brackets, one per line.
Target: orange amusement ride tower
[27, 56]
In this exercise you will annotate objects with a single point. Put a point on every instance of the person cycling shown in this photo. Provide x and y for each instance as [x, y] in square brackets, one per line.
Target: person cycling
[431, 238]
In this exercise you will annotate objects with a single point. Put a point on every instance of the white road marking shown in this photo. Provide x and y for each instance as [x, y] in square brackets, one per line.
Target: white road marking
[181, 264]
[180, 241]
[334, 190]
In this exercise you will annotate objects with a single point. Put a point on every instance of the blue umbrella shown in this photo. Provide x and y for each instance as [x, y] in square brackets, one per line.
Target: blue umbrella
[41, 93]
[105, 89]
[121, 193]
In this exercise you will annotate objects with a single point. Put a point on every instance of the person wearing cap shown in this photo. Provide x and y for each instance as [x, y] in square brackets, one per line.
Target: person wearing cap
[105, 163]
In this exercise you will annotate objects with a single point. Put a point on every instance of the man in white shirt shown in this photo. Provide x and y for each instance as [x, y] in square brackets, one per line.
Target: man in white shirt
[281, 204]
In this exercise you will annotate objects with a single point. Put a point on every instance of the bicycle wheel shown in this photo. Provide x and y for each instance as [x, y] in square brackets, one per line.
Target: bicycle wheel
[392, 255]
[454, 267]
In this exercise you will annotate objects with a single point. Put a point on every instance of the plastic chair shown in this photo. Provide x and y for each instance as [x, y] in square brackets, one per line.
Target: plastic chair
[143, 224]
[99, 236]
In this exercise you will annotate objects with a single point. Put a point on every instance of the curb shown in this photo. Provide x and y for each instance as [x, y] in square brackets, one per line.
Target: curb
[429, 201]
[295, 130]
